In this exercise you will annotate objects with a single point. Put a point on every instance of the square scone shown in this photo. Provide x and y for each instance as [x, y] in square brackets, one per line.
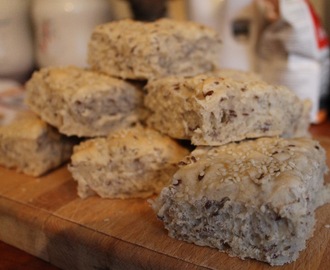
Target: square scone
[224, 106]
[143, 50]
[84, 103]
[134, 162]
[33, 147]
[253, 199]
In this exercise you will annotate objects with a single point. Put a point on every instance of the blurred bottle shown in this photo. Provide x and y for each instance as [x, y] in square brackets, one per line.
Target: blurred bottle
[238, 24]
[148, 10]
[63, 28]
[16, 42]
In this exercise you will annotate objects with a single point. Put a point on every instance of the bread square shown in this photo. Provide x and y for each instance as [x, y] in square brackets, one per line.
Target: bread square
[224, 106]
[33, 147]
[252, 199]
[129, 163]
[144, 50]
[84, 103]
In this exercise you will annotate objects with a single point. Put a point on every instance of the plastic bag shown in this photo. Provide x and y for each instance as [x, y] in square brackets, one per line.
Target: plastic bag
[294, 51]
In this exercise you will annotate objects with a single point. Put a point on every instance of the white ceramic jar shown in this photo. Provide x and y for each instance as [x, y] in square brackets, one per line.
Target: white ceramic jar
[63, 28]
[16, 47]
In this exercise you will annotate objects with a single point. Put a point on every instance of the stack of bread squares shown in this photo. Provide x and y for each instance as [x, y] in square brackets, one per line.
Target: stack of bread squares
[121, 157]
[251, 184]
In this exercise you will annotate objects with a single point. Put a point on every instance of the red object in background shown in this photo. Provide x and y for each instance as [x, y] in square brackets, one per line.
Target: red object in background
[321, 35]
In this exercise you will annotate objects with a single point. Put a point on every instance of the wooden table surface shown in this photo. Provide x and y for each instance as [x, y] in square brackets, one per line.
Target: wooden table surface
[12, 258]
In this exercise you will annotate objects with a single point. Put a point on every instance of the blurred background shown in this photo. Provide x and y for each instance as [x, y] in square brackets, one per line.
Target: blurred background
[284, 41]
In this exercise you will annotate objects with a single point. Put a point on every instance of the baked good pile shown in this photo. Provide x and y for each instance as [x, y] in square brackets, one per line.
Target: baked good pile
[251, 184]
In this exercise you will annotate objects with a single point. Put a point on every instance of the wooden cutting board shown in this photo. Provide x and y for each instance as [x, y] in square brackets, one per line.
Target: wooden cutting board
[44, 217]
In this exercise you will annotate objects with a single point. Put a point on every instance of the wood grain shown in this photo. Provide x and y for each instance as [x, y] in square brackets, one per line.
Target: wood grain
[44, 217]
